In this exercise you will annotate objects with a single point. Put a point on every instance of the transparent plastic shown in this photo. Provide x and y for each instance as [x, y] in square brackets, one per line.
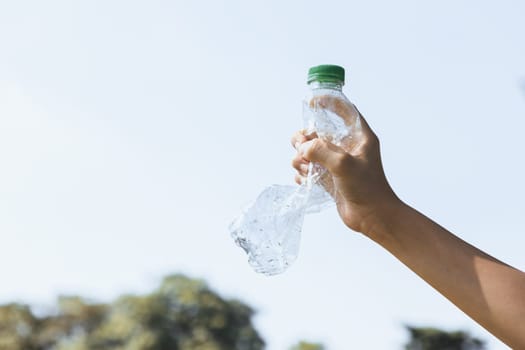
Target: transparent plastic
[269, 230]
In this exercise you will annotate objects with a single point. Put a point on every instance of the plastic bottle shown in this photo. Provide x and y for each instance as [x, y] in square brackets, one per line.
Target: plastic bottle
[330, 114]
[334, 117]
[269, 230]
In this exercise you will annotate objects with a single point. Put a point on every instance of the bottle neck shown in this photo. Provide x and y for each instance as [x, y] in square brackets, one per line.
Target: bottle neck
[331, 85]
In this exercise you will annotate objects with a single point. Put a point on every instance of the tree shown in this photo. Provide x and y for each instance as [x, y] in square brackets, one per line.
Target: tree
[182, 314]
[17, 323]
[435, 339]
[302, 345]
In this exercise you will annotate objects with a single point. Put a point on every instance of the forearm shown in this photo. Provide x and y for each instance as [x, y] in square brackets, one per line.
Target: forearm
[489, 291]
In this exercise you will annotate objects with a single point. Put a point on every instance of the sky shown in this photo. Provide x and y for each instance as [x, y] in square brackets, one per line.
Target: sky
[132, 133]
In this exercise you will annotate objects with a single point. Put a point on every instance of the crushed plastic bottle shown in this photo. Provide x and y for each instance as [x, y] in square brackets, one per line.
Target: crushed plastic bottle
[269, 230]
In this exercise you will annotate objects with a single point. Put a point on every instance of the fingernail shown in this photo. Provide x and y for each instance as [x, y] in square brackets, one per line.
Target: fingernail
[304, 168]
[297, 144]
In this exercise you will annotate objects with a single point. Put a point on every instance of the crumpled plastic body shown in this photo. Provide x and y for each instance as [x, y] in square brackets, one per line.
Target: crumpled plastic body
[269, 230]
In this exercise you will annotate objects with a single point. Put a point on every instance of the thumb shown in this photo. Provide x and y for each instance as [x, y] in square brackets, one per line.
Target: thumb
[330, 156]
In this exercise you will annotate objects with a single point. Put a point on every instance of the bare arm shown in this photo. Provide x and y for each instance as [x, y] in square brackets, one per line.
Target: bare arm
[488, 290]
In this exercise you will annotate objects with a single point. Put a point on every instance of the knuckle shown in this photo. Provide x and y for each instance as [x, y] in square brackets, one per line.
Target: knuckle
[293, 140]
[296, 161]
[313, 149]
[317, 144]
[297, 139]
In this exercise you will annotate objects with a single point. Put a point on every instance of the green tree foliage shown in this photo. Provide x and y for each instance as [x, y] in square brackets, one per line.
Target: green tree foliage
[302, 345]
[182, 314]
[435, 339]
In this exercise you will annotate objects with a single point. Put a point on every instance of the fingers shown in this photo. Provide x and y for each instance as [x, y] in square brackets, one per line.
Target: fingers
[335, 159]
[300, 164]
[302, 136]
[300, 179]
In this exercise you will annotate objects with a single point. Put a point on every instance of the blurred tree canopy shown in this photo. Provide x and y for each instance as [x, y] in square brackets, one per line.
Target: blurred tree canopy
[435, 339]
[182, 314]
[302, 345]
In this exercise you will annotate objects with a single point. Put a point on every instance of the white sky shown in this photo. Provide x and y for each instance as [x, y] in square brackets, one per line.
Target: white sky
[131, 133]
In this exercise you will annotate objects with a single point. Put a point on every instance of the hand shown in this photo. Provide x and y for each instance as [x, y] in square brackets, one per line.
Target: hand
[488, 290]
[359, 186]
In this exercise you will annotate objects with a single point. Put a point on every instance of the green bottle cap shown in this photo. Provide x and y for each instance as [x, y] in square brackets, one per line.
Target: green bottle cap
[327, 73]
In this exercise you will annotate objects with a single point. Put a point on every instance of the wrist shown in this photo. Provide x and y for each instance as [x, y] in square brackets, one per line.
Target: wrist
[381, 227]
